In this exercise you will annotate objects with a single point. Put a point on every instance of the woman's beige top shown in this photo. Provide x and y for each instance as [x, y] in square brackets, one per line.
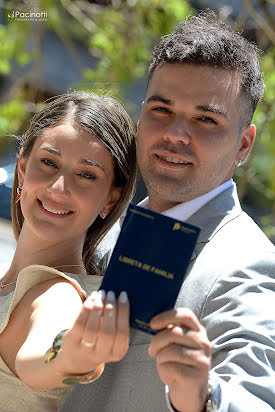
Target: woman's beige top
[15, 396]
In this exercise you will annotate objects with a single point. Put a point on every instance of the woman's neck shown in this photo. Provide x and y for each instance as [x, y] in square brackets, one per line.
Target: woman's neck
[31, 250]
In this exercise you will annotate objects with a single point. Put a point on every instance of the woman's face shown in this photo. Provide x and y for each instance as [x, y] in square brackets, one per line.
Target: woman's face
[67, 181]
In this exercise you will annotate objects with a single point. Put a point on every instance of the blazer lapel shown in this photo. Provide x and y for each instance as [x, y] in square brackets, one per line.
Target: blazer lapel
[214, 215]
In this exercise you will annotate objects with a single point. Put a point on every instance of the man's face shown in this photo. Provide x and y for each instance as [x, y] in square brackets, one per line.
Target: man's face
[189, 138]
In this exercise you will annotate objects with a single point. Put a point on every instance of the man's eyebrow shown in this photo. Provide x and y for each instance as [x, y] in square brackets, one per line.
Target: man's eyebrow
[204, 108]
[83, 161]
[159, 98]
[213, 109]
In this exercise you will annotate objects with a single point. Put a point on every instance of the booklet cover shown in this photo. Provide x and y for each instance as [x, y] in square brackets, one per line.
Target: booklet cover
[149, 262]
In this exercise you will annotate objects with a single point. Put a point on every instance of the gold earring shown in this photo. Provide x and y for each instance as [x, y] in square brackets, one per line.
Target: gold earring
[18, 193]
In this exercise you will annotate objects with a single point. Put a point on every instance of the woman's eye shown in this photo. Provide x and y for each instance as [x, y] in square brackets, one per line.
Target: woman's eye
[87, 175]
[49, 162]
[208, 120]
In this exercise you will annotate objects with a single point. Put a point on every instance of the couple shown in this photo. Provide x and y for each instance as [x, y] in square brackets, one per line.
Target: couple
[76, 170]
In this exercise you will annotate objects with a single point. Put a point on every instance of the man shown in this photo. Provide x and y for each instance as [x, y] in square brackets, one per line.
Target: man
[195, 127]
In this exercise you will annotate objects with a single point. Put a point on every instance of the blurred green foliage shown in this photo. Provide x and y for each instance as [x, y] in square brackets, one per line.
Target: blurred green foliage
[125, 36]
[121, 35]
[256, 180]
[13, 40]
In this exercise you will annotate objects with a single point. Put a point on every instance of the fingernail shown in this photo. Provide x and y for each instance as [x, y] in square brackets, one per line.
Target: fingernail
[88, 304]
[102, 294]
[123, 297]
[94, 295]
[111, 297]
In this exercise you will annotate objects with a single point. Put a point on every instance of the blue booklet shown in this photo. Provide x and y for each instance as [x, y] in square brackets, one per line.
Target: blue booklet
[149, 262]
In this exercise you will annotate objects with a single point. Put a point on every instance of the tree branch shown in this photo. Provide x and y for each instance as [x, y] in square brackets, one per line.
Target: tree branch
[79, 16]
[264, 7]
[260, 21]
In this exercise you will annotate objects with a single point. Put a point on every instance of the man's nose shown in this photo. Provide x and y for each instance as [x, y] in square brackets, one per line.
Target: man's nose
[178, 132]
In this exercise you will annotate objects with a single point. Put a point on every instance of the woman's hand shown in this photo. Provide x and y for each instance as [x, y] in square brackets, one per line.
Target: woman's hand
[100, 334]
[97, 332]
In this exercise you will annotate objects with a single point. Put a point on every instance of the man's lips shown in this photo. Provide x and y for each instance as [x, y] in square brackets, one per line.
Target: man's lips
[173, 160]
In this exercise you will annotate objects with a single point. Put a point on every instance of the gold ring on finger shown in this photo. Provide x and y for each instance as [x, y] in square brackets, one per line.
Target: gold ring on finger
[88, 344]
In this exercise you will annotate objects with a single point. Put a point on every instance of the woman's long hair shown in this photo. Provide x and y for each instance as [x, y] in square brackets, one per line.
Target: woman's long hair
[105, 118]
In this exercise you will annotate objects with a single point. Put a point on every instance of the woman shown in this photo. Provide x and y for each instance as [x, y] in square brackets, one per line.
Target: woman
[75, 175]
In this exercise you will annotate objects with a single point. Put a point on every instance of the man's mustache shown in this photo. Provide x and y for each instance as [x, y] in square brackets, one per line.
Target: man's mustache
[179, 149]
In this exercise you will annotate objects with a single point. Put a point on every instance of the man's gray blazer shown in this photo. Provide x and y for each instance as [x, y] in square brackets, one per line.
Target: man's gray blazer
[230, 286]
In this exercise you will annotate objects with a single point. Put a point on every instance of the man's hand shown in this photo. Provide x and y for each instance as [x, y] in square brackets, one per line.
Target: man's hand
[183, 355]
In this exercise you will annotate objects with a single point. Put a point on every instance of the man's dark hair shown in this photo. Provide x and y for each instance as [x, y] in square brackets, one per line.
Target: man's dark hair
[206, 39]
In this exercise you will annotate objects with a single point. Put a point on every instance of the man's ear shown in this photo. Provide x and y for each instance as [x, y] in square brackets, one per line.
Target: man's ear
[21, 167]
[248, 135]
[113, 198]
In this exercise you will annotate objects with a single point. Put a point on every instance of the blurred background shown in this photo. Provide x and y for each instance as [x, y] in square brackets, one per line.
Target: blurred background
[48, 47]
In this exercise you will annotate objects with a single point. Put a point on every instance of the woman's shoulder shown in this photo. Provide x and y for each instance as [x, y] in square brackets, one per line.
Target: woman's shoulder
[32, 277]
[35, 275]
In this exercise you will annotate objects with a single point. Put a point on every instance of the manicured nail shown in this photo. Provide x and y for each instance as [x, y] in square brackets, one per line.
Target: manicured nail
[102, 294]
[94, 295]
[88, 304]
[111, 297]
[123, 297]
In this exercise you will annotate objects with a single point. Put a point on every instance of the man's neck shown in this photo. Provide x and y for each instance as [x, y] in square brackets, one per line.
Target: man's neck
[162, 205]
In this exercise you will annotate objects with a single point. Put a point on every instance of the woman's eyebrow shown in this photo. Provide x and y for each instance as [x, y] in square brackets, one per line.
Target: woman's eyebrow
[51, 150]
[83, 161]
[91, 163]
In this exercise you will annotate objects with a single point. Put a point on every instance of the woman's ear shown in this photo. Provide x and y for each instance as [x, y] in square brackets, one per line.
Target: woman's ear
[113, 198]
[21, 167]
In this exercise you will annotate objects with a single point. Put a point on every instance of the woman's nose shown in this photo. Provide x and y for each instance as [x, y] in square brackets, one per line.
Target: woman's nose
[60, 186]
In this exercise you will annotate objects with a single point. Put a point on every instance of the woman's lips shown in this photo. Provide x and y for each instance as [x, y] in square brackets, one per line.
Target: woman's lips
[53, 212]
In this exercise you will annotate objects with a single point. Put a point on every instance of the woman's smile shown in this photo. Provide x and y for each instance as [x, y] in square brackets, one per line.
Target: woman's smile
[54, 212]
[67, 176]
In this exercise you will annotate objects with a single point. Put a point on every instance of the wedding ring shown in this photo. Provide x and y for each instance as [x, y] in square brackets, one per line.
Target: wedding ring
[87, 344]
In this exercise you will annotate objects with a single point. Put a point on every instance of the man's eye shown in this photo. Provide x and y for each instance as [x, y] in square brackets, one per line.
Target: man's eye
[208, 119]
[161, 109]
[87, 175]
[49, 162]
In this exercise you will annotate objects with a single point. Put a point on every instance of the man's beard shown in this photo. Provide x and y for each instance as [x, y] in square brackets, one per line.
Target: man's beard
[167, 188]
